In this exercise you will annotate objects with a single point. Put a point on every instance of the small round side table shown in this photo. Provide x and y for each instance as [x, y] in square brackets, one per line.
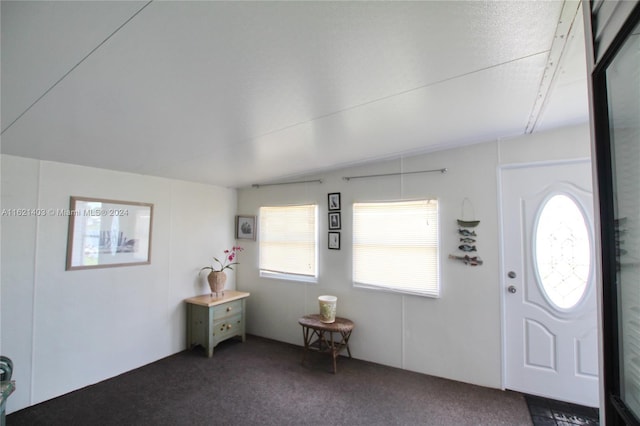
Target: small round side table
[318, 336]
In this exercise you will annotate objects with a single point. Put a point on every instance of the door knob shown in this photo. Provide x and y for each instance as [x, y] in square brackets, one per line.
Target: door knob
[511, 274]
[511, 289]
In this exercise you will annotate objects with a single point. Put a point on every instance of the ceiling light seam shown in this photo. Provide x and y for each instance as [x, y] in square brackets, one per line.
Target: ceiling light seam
[404, 92]
[75, 66]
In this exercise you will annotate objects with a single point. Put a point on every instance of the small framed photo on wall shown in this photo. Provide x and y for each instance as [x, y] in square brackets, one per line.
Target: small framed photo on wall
[246, 228]
[334, 201]
[334, 220]
[334, 240]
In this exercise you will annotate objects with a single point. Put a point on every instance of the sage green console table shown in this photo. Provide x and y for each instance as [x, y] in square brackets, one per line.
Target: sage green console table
[210, 320]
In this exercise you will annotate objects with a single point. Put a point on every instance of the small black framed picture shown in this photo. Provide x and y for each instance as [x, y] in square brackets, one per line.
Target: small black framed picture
[334, 240]
[334, 220]
[334, 201]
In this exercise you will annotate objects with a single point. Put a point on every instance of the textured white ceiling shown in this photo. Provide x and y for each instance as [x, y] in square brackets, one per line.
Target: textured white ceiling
[234, 93]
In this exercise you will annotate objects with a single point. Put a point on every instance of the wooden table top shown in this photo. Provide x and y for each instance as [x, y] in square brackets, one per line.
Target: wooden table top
[313, 321]
[208, 300]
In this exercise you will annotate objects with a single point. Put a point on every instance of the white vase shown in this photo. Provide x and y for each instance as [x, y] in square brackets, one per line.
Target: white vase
[327, 308]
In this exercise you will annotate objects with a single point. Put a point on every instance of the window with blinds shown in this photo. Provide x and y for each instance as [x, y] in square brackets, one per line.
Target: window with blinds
[395, 246]
[288, 242]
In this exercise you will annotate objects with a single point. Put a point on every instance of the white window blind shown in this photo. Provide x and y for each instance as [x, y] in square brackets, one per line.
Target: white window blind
[288, 240]
[395, 246]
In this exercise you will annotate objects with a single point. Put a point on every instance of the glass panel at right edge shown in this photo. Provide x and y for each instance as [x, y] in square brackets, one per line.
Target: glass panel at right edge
[623, 91]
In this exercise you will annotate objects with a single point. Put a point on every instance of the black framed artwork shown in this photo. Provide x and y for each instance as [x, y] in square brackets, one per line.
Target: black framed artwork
[334, 240]
[334, 220]
[334, 201]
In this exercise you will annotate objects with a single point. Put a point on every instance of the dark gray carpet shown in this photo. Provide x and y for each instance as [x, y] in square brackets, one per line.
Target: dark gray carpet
[261, 382]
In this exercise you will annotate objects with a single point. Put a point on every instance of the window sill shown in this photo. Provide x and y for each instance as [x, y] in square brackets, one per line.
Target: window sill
[288, 277]
[400, 291]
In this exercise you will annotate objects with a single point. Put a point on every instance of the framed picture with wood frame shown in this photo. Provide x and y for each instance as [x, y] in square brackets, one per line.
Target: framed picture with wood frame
[108, 233]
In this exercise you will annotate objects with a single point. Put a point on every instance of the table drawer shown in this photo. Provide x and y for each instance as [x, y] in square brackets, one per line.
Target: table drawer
[227, 327]
[228, 309]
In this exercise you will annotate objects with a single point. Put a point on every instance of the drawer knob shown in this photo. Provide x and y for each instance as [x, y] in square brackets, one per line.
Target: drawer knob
[228, 326]
[229, 309]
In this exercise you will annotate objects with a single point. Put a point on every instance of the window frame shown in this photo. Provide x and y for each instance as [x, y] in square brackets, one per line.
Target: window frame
[290, 276]
[430, 291]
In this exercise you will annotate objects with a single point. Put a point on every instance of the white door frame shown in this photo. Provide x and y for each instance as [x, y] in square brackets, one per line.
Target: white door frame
[502, 266]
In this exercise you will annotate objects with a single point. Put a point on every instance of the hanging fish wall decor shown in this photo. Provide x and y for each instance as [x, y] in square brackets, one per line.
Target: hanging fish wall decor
[467, 260]
[465, 237]
[466, 232]
[468, 223]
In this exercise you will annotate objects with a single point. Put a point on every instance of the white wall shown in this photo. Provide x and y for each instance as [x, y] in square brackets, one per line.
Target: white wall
[457, 336]
[66, 330]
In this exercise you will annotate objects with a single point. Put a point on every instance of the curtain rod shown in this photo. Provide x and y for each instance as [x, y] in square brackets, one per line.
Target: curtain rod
[258, 185]
[348, 178]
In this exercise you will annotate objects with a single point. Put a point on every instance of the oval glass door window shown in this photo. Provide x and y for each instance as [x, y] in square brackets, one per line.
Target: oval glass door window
[562, 251]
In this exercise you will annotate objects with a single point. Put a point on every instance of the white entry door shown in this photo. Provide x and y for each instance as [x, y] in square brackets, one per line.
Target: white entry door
[550, 319]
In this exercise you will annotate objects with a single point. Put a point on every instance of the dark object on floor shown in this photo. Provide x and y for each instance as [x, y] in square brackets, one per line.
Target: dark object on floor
[7, 386]
[557, 413]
